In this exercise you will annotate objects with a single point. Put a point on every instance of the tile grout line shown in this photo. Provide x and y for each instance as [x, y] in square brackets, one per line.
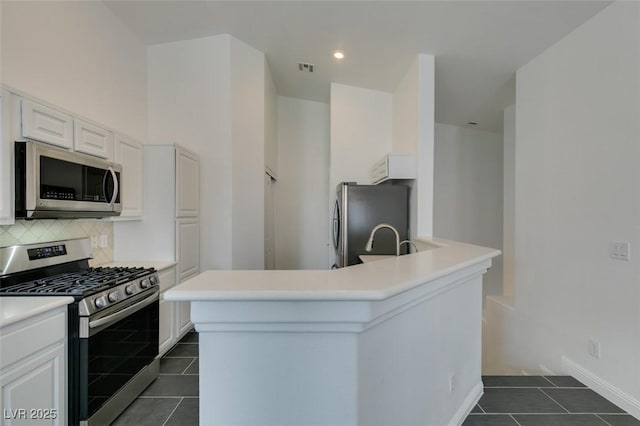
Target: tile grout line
[185, 370]
[598, 416]
[480, 407]
[514, 419]
[173, 411]
[554, 385]
[535, 387]
[560, 405]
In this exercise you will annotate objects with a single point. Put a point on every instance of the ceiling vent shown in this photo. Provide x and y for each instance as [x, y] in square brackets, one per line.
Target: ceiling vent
[303, 66]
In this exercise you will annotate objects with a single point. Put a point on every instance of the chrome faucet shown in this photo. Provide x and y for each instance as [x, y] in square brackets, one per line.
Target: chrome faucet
[409, 242]
[369, 245]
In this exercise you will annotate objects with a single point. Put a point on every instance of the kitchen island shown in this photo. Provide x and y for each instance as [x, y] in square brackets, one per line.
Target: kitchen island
[391, 342]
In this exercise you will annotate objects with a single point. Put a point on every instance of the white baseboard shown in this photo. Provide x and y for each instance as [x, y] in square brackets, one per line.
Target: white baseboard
[601, 386]
[467, 405]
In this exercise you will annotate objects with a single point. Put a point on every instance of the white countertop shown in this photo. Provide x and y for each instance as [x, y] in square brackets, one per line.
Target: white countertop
[14, 309]
[159, 265]
[369, 281]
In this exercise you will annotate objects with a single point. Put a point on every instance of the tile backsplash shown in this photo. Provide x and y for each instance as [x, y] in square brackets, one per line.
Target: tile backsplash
[39, 231]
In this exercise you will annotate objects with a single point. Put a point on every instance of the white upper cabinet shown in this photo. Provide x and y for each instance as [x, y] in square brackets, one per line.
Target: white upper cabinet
[395, 165]
[6, 161]
[93, 140]
[46, 124]
[187, 183]
[129, 153]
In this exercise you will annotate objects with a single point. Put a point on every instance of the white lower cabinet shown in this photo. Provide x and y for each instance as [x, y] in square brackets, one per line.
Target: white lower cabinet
[175, 317]
[167, 328]
[33, 371]
[183, 317]
[32, 391]
[167, 335]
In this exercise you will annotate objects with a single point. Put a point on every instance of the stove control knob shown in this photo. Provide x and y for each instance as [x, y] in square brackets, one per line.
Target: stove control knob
[113, 296]
[153, 279]
[101, 302]
[145, 283]
[130, 289]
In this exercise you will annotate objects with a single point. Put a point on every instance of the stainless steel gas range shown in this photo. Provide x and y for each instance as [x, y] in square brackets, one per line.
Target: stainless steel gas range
[113, 323]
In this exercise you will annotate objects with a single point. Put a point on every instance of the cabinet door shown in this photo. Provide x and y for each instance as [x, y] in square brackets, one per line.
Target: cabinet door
[129, 153]
[183, 318]
[6, 161]
[46, 124]
[33, 392]
[167, 328]
[187, 184]
[93, 140]
[188, 248]
[166, 332]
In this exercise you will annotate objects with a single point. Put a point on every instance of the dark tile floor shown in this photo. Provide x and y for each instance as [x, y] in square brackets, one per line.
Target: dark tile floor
[543, 401]
[172, 399]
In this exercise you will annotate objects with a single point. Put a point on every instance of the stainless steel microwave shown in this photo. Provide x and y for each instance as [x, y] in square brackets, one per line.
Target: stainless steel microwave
[55, 183]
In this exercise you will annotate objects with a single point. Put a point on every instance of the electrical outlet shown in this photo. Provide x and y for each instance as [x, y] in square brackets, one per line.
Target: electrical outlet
[104, 241]
[620, 250]
[452, 384]
[594, 348]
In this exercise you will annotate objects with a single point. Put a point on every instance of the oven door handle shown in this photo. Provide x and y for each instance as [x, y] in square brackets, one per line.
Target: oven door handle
[116, 316]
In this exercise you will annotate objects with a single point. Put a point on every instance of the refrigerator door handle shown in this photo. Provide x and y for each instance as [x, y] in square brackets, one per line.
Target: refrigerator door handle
[336, 225]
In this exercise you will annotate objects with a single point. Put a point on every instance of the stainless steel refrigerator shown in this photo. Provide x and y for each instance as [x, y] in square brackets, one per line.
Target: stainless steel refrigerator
[358, 209]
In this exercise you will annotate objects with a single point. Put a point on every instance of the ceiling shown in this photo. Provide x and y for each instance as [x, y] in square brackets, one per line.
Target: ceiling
[478, 45]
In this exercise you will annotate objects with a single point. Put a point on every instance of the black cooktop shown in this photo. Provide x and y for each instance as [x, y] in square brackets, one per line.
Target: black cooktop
[78, 284]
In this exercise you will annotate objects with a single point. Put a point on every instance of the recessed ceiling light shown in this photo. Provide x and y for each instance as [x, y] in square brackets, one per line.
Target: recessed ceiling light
[338, 54]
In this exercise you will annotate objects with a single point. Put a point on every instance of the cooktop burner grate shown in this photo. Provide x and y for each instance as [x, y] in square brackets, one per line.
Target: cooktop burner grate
[80, 283]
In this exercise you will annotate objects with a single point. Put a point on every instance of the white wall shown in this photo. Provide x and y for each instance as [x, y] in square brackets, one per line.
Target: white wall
[302, 225]
[413, 131]
[426, 132]
[508, 200]
[208, 94]
[361, 123]
[79, 56]
[577, 178]
[271, 165]
[248, 155]
[190, 104]
[270, 123]
[468, 192]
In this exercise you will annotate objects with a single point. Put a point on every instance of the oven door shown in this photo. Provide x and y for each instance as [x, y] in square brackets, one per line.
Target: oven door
[51, 182]
[115, 346]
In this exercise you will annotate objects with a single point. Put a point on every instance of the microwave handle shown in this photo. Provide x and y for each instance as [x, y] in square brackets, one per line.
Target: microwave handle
[116, 185]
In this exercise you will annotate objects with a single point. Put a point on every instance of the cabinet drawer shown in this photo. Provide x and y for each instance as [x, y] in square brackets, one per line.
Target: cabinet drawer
[167, 278]
[46, 124]
[31, 336]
